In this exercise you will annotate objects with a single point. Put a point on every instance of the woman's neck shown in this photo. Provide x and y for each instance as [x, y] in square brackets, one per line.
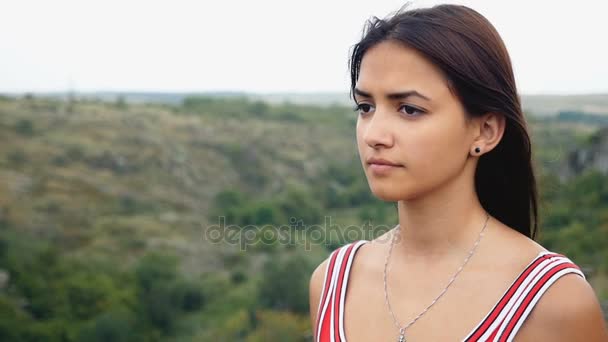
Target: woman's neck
[443, 223]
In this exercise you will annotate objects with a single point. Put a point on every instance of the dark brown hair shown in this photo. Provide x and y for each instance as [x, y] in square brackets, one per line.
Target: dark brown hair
[469, 51]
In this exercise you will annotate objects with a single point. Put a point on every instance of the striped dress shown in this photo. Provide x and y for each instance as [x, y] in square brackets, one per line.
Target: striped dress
[500, 324]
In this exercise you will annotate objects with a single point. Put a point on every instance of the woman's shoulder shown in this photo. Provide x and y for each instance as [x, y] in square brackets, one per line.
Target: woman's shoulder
[568, 309]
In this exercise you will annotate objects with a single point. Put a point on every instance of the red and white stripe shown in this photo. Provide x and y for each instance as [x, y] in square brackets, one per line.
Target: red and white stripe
[330, 317]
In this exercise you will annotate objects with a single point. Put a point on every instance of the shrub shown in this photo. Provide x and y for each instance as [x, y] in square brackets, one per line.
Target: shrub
[24, 127]
[284, 284]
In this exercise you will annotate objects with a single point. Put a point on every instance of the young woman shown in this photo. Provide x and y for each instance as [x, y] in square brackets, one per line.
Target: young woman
[441, 132]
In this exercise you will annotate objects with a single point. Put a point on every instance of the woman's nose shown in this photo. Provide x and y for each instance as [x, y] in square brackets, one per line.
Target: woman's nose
[377, 131]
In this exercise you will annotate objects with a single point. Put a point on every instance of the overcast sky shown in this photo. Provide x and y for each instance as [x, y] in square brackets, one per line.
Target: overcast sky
[557, 47]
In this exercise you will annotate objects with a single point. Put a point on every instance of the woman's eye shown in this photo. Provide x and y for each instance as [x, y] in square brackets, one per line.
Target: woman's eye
[411, 110]
[363, 108]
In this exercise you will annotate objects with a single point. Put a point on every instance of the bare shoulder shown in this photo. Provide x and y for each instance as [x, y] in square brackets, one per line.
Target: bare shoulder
[568, 311]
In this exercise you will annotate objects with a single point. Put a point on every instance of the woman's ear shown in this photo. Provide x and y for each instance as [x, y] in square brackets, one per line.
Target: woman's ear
[488, 133]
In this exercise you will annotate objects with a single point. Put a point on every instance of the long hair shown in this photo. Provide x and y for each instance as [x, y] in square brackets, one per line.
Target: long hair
[469, 51]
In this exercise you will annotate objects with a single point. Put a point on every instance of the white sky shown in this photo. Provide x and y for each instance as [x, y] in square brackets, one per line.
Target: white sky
[557, 47]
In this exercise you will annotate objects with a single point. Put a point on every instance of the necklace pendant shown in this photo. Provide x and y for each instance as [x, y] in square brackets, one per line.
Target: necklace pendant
[401, 335]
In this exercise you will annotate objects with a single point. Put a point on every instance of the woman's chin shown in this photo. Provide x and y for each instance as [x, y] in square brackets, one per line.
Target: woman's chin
[387, 194]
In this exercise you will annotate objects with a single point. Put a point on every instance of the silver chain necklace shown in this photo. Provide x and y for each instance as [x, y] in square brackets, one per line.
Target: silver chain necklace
[402, 329]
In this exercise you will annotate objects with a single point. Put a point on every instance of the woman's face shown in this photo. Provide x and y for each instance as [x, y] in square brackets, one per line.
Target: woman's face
[409, 117]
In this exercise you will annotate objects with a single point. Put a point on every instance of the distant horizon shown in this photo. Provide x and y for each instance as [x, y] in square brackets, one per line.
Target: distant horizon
[537, 104]
[334, 92]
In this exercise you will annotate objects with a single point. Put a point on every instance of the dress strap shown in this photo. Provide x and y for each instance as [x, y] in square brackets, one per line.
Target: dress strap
[329, 315]
[342, 286]
[322, 319]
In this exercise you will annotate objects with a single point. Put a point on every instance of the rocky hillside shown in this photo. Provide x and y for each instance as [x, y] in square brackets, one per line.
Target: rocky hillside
[593, 155]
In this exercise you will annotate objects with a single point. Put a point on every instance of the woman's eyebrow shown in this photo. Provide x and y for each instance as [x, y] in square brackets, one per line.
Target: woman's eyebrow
[394, 96]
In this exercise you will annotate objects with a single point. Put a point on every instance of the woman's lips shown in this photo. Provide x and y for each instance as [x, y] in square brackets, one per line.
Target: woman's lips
[381, 169]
